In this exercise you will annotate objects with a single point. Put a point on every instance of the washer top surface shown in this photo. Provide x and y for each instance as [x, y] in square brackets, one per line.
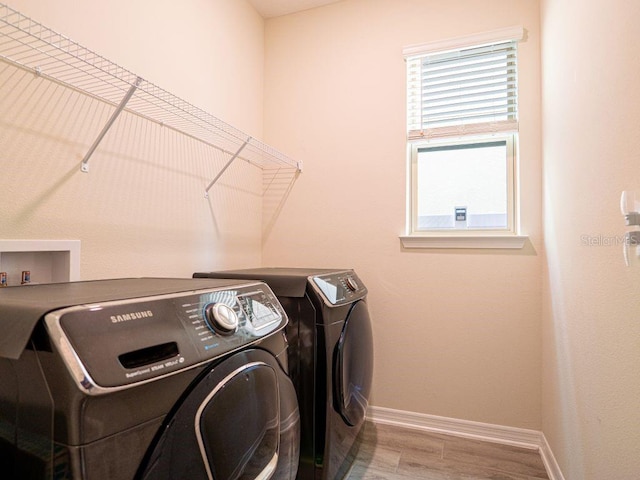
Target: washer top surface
[285, 282]
[336, 286]
[21, 307]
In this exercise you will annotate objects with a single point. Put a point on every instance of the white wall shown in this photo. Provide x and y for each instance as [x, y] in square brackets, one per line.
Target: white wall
[457, 333]
[591, 113]
[140, 211]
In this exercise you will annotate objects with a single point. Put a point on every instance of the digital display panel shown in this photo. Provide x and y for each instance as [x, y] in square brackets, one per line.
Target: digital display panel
[333, 292]
[259, 310]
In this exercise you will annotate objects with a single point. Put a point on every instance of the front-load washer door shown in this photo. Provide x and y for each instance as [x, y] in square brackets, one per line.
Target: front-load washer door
[353, 366]
[227, 427]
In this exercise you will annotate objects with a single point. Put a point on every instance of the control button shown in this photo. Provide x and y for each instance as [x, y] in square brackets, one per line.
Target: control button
[221, 318]
[351, 284]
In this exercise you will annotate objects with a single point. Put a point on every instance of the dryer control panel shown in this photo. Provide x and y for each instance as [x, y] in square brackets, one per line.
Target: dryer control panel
[113, 345]
[339, 288]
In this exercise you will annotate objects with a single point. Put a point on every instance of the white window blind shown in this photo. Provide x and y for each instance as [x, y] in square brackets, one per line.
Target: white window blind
[465, 91]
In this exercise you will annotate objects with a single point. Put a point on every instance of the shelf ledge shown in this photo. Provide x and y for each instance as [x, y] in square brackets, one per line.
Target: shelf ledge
[464, 241]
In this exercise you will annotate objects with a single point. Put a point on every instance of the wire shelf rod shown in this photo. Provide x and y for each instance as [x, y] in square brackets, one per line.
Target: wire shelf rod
[114, 116]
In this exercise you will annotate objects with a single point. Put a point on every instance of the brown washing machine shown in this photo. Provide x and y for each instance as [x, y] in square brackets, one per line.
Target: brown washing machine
[330, 359]
[148, 379]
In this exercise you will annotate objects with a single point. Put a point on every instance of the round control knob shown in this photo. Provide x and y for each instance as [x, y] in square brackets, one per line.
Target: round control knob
[351, 284]
[221, 318]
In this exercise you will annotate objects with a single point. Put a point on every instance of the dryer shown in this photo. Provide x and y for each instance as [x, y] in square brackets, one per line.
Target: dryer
[330, 359]
[146, 378]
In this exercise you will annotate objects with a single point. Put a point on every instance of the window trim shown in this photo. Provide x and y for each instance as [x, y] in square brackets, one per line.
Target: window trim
[464, 241]
[516, 33]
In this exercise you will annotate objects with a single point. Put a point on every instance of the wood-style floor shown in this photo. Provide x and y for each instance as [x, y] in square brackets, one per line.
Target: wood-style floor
[394, 453]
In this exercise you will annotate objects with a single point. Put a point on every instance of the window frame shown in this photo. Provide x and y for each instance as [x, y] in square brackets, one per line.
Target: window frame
[512, 190]
[510, 238]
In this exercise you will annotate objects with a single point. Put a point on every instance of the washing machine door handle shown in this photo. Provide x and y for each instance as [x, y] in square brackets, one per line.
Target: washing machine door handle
[353, 366]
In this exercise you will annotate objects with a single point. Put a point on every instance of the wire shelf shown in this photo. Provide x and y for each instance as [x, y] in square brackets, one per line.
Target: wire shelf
[30, 45]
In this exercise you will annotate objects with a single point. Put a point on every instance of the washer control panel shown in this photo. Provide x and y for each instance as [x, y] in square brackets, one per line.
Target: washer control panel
[118, 343]
[339, 288]
[221, 318]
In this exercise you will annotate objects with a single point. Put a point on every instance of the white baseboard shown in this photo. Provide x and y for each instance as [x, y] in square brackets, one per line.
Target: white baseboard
[519, 437]
[550, 463]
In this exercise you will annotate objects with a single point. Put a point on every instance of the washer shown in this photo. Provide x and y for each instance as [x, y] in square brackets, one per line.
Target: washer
[147, 379]
[330, 358]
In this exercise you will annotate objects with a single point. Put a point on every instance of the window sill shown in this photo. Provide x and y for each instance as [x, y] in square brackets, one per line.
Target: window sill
[464, 241]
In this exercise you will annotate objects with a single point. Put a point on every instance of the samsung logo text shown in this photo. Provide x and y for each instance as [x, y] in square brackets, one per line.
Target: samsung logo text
[131, 316]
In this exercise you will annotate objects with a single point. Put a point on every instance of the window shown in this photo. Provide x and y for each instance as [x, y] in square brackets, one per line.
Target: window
[462, 133]
[465, 185]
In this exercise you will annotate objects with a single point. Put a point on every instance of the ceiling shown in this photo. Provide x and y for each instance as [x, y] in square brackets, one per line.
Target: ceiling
[276, 8]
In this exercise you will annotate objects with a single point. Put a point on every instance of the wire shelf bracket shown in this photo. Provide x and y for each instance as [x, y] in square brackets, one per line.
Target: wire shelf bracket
[229, 162]
[31, 46]
[85, 161]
